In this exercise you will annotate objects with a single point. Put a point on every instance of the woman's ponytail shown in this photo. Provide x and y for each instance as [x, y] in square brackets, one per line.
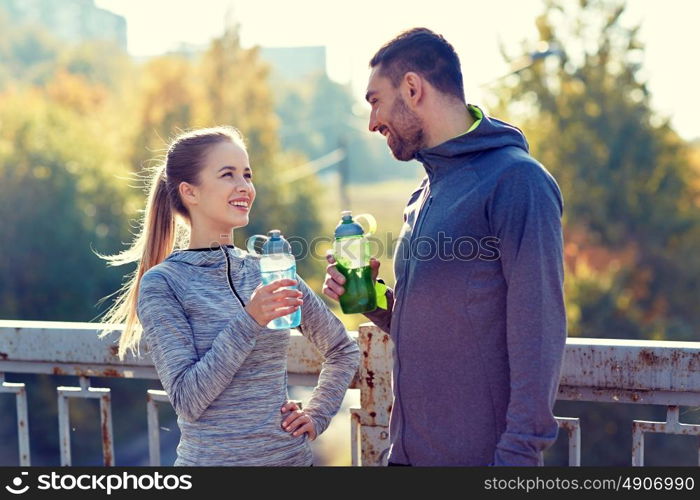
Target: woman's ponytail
[151, 247]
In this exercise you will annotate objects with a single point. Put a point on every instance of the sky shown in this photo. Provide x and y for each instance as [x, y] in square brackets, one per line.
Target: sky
[353, 31]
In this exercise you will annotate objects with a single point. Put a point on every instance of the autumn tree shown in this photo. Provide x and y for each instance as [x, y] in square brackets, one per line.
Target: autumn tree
[631, 197]
[631, 222]
[60, 197]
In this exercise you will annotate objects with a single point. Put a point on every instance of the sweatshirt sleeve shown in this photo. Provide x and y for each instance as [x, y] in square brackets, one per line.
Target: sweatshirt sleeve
[526, 212]
[192, 384]
[340, 352]
[382, 317]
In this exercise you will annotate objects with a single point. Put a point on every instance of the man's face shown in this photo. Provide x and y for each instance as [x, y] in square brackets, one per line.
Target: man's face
[392, 117]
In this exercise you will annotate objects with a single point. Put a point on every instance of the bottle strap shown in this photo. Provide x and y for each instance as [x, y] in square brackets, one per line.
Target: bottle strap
[380, 290]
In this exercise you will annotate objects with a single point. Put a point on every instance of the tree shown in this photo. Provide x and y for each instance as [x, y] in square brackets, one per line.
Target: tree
[625, 175]
[238, 93]
[318, 115]
[630, 200]
[170, 99]
[60, 196]
[27, 54]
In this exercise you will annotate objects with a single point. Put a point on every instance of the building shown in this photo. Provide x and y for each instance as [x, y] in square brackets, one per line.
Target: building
[295, 63]
[71, 20]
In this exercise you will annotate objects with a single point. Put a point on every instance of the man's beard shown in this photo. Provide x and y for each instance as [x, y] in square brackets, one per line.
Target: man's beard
[406, 133]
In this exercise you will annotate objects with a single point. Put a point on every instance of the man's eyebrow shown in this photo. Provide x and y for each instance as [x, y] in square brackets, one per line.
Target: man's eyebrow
[369, 94]
[231, 167]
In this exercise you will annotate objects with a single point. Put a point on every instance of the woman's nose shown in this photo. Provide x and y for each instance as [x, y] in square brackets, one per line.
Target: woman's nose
[242, 185]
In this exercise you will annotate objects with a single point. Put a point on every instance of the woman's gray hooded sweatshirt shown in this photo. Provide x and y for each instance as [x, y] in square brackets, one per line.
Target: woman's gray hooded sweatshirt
[225, 375]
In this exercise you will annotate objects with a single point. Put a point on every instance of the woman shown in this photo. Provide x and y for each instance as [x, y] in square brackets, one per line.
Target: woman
[203, 313]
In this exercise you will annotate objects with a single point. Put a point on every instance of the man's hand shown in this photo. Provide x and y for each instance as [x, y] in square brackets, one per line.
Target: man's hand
[333, 285]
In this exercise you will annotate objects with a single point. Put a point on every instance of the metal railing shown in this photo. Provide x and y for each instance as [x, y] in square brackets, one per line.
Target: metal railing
[600, 370]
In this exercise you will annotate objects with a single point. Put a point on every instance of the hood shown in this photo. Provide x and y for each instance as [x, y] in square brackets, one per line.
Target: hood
[208, 257]
[489, 134]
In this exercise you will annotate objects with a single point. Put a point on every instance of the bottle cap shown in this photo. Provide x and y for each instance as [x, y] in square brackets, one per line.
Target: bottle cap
[276, 243]
[347, 226]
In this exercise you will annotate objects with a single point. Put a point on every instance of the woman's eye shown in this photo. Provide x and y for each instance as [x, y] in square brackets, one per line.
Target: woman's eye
[248, 176]
[227, 173]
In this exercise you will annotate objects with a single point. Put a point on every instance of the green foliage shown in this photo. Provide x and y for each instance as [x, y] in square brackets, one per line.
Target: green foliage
[624, 173]
[59, 198]
[70, 132]
[236, 92]
[318, 116]
[632, 228]
[27, 53]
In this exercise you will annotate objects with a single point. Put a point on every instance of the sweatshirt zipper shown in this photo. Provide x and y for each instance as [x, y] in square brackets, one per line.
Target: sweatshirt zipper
[420, 217]
[228, 277]
[425, 208]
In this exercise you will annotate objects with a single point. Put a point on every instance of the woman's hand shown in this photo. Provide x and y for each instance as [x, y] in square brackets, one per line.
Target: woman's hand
[273, 301]
[298, 422]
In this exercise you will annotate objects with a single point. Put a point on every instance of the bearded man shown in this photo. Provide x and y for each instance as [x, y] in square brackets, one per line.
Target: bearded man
[477, 315]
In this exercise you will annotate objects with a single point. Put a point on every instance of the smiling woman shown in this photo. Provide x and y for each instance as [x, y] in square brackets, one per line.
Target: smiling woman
[223, 198]
[203, 310]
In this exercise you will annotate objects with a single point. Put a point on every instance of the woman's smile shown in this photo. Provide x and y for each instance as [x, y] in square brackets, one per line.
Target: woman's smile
[242, 204]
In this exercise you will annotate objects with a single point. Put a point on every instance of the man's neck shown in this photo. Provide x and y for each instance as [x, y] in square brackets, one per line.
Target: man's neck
[449, 120]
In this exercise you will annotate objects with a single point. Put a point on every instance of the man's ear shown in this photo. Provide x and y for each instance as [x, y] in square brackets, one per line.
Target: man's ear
[413, 87]
[188, 193]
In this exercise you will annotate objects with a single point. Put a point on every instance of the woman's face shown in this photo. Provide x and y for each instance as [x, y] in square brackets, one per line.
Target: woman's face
[225, 193]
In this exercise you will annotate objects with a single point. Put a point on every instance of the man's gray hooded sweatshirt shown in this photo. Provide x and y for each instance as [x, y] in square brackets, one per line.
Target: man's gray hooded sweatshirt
[225, 375]
[477, 316]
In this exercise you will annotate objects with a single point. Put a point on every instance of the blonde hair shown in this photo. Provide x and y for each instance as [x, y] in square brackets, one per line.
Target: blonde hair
[164, 226]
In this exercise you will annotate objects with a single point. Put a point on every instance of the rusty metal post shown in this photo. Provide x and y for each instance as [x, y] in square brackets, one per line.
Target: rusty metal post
[671, 426]
[637, 446]
[375, 397]
[85, 391]
[573, 429]
[64, 426]
[354, 426]
[106, 429]
[22, 425]
[152, 398]
[20, 393]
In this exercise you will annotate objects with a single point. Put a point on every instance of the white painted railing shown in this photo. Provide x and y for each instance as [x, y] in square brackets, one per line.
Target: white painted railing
[602, 370]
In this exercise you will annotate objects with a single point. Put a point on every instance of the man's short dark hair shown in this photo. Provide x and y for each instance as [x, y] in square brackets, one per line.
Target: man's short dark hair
[426, 53]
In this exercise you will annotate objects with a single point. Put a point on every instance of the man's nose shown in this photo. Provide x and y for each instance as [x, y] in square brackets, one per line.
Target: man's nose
[373, 122]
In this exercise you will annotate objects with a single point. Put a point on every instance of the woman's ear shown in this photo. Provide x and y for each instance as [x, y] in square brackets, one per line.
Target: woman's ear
[188, 193]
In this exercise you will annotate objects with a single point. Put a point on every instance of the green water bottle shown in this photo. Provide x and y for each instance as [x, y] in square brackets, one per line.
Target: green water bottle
[351, 252]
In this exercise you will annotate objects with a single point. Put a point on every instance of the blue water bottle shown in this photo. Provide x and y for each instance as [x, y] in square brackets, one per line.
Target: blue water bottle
[277, 263]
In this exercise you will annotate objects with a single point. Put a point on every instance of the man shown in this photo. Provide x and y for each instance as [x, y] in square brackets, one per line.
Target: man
[477, 316]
